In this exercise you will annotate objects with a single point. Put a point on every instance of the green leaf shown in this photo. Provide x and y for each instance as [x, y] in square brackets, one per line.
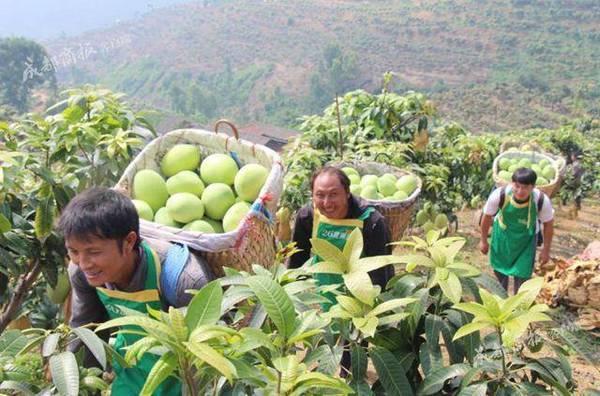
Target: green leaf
[159, 330]
[490, 303]
[455, 350]
[490, 283]
[470, 328]
[136, 350]
[477, 310]
[326, 359]
[391, 305]
[359, 284]
[50, 344]
[474, 390]
[65, 373]
[12, 342]
[464, 270]
[95, 383]
[351, 305]
[5, 225]
[451, 287]
[161, 370]
[326, 267]
[205, 307]
[368, 264]
[359, 359]
[276, 302]
[215, 359]
[431, 357]
[353, 248]
[208, 332]
[432, 236]
[320, 382]
[93, 343]
[20, 387]
[417, 259]
[361, 388]
[453, 248]
[328, 252]
[367, 325]
[254, 338]
[584, 349]
[531, 289]
[434, 382]
[44, 218]
[391, 373]
[433, 326]
[391, 319]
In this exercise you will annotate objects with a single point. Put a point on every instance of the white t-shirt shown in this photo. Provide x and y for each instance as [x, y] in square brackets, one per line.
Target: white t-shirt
[544, 215]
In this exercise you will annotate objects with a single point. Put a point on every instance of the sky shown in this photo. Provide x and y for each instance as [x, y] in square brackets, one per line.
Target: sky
[49, 19]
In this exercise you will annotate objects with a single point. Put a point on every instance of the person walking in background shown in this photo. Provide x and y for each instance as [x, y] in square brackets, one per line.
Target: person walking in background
[521, 217]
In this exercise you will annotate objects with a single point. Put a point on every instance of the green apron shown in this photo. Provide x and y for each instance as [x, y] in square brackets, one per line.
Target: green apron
[514, 238]
[130, 381]
[336, 232]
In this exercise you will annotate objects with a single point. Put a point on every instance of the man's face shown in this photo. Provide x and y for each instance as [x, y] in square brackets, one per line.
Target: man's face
[330, 197]
[100, 259]
[522, 191]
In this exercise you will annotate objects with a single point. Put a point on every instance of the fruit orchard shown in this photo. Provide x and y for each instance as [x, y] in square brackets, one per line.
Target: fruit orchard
[442, 326]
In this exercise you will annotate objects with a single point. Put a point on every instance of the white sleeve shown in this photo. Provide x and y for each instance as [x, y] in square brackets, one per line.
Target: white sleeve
[547, 212]
[492, 205]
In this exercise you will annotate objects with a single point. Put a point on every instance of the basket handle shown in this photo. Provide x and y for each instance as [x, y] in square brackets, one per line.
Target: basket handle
[236, 134]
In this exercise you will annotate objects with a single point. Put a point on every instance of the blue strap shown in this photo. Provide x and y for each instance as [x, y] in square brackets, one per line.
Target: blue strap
[258, 207]
[177, 257]
[236, 158]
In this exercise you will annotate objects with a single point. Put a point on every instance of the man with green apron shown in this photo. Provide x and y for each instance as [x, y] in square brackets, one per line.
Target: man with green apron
[515, 222]
[333, 214]
[111, 267]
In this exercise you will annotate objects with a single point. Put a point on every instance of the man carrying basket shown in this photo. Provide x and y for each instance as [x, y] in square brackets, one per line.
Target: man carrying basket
[521, 218]
[112, 267]
[332, 215]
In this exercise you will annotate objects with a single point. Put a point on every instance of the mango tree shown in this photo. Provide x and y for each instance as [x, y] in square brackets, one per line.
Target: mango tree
[85, 140]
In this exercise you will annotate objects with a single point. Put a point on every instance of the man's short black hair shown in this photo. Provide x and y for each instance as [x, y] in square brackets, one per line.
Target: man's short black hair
[99, 212]
[332, 170]
[524, 176]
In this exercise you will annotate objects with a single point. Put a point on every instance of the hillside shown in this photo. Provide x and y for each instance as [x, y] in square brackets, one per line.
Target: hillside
[490, 65]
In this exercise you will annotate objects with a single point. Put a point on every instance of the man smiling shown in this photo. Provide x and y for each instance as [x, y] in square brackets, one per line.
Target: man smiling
[112, 267]
[518, 213]
[332, 215]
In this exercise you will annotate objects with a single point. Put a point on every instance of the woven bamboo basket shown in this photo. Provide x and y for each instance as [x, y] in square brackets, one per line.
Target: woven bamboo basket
[397, 214]
[253, 242]
[549, 189]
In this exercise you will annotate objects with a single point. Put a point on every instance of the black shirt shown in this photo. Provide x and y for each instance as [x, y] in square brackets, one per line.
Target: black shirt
[375, 236]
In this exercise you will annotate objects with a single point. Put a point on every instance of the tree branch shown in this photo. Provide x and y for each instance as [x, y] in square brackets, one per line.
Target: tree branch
[23, 287]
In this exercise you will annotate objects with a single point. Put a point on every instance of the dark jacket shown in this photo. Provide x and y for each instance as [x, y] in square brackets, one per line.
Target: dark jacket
[375, 235]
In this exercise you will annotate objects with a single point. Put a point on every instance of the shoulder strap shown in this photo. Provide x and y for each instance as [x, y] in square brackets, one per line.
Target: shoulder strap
[366, 213]
[175, 260]
[540, 201]
[502, 198]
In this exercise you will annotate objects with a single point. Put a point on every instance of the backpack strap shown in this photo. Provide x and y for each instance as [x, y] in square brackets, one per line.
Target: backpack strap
[502, 198]
[540, 201]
